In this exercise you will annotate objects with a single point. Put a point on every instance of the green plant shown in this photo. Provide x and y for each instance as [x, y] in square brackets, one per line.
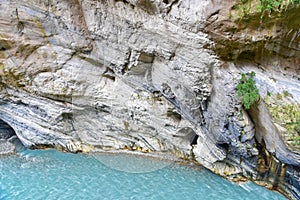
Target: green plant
[247, 90]
[297, 127]
[286, 93]
[268, 5]
[279, 96]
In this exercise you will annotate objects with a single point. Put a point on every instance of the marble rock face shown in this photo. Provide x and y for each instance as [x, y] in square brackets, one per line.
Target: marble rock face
[6, 148]
[146, 75]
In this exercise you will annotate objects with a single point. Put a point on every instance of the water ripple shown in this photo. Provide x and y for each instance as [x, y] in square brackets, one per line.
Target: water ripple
[54, 175]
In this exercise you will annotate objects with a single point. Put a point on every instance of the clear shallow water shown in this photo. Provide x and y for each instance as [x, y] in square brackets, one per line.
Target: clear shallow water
[51, 174]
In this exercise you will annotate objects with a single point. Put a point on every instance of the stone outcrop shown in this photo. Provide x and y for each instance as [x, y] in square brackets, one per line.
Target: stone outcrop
[156, 76]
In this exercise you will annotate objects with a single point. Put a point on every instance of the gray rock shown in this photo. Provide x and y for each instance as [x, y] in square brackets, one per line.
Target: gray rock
[6, 148]
[153, 75]
[247, 136]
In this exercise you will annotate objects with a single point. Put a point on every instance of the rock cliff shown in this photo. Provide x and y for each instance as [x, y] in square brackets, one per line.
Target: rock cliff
[160, 76]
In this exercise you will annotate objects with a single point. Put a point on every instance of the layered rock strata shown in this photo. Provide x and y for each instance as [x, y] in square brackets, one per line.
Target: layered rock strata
[154, 76]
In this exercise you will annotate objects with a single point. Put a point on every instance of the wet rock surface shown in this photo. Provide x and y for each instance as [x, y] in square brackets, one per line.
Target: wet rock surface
[6, 147]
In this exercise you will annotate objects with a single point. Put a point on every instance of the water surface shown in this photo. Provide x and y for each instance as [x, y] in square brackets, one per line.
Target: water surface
[50, 174]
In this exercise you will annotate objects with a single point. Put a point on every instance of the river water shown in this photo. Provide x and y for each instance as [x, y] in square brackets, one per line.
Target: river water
[49, 174]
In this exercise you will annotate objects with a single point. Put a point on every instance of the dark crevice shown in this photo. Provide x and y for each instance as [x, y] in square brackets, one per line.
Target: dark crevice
[7, 133]
[246, 55]
[214, 13]
[172, 113]
[226, 126]
[4, 45]
[124, 1]
[171, 5]
[127, 3]
[109, 73]
[224, 146]
[147, 6]
[194, 141]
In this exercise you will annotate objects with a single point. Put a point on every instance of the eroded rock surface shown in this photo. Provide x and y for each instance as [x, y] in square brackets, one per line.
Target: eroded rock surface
[6, 147]
[151, 76]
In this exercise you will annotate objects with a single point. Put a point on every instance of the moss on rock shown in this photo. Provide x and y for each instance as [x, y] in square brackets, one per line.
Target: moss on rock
[286, 115]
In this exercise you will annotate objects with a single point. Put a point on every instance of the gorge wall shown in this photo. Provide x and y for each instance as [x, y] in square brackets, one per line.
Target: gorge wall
[156, 76]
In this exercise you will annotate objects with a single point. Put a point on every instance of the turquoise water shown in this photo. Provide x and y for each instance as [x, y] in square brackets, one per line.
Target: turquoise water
[50, 174]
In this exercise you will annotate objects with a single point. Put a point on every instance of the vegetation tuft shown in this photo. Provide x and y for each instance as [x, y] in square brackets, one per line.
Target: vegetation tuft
[247, 90]
[297, 127]
[268, 5]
